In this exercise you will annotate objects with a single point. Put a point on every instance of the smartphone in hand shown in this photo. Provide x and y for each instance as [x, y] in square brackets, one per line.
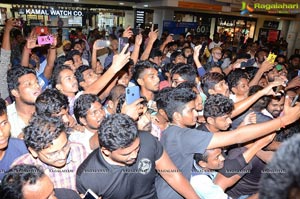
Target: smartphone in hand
[89, 194]
[122, 42]
[103, 43]
[132, 94]
[271, 57]
[295, 100]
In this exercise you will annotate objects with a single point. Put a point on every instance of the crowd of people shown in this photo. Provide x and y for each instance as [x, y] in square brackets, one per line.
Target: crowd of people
[208, 123]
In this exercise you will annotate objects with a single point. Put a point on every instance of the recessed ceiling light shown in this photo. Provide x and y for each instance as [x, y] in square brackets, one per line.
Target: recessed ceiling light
[250, 15]
[278, 18]
[121, 3]
[146, 6]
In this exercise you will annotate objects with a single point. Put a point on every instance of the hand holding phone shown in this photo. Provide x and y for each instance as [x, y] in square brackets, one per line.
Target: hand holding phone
[132, 94]
[89, 194]
[122, 42]
[103, 43]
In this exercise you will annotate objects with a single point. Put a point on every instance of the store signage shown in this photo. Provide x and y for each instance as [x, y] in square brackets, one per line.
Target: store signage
[51, 12]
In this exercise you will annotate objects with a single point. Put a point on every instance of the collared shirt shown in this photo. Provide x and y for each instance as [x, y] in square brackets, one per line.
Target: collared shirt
[61, 177]
[202, 182]
[82, 138]
[16, 122]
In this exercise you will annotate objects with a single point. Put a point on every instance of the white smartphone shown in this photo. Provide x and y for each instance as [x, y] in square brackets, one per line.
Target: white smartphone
[89, 194]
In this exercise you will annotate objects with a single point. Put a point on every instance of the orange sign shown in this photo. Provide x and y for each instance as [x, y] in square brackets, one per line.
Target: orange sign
[199, 6]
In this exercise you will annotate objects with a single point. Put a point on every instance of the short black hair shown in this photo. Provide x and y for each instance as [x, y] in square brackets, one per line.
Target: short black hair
[3, 109]
[185, 71]
[79, 74]
[209, 81]
[83, 104]
[175, 54]
[117, 131]
[177, 100]
[234, 77]
[13, 75]
[72, 53]
[18, 176]
[161, 97]
[262, 102]
[217, 106]
[50, 102]
[56, 78]
[201, 157]
[282, 174]
[140, 67]
[41, 132]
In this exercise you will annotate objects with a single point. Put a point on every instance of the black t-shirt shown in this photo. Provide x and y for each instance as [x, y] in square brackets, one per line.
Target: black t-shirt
[250, 175]
[113, 181]
[181, 144]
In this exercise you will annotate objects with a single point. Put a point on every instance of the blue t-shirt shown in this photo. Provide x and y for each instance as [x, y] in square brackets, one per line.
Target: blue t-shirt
[15, 149]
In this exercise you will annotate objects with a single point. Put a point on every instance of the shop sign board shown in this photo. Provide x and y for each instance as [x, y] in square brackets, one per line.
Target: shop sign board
[52, 11]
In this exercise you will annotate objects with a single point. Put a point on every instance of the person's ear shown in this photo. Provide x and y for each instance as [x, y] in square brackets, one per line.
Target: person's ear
[15, 93]
[140, 82]
[177, 116]
[58, 87]
[210, 120]
[234, 90]
[33, 152]
[202, 164]
[105, 151]
[211, 92]
[83, 121]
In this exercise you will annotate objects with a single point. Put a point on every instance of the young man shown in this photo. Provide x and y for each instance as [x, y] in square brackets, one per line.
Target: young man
[47, 142]
[182, 73]
[146, 75]
[181, 142]
[206, 168]
[89, 113]
[127, 162]
[10, 148]
[275, 106]
[24, 87]
[30, 182]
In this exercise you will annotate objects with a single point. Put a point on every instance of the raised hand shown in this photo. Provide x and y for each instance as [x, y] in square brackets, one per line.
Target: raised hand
[133, 110]
[153, 34]
[121, 59]
[138, 39]
[127, 32]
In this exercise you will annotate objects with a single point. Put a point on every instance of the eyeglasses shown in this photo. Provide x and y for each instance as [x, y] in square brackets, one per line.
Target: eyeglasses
[54, 155]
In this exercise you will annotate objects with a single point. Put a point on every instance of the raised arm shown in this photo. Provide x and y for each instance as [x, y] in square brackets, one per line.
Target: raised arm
[119, 62]
[94, 55]
[266, 66]
[253, 131]
[153, 35]
[137, 46]
[51, 59]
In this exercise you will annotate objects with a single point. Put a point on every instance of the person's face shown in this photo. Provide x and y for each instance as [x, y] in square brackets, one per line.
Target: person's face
[125, 156]
[281, 60]
[242, 88]
[89, 76]
[4, 131]
[157, 60]
[272, 74]
[114, 44]
[221, 123]
[275, 107]
[215, 159]
[188, 52]
[295, 62]
[263, 82]
[217, 54]
[254, 47]
[180, 59]
[216, 70]
[94, 116]
[261, 57]
[150, 79]
[176, 80]
[77, 61]
[216, 38]
[189, 115]
[124, 80]
[198, 100]
[144, 122]
[67, 47]
[68, 82]
[57, 153]
[221, 88]
[78, 47]
[28, 89]
[42, 189]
